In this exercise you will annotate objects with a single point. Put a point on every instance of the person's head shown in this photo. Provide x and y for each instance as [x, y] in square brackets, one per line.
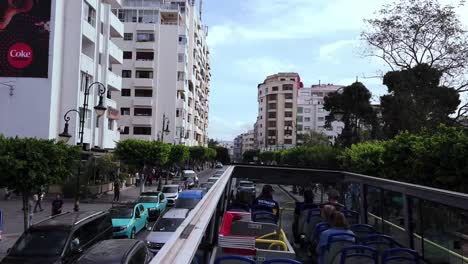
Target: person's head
[339, 220]
[267, 191]
[333, 196]
[308, 196]
[327, 213]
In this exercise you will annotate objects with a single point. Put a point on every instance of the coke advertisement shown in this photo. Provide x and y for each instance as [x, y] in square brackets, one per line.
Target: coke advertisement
[24, 38]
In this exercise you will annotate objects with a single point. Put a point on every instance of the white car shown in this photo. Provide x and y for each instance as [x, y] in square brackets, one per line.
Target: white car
[191, 176]
[165, 228]
[171, 192]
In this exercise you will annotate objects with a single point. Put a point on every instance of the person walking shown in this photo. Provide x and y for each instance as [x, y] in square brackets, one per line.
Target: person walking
[38, 198]
[57, 205]
[116, 190]
[137, 179]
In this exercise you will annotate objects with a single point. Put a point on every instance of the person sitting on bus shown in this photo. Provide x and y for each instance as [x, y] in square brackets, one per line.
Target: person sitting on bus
[339, 224]
[326, 212]
[266, 200]
[333, 197]
[300, 206]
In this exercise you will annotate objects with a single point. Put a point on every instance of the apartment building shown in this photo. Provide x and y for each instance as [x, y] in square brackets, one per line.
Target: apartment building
[237, 149]
[166, 72]
[248, 141]
[65, 47]
[277, 111]
[310, 112]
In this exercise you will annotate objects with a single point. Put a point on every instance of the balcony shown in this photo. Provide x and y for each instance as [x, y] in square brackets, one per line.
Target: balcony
[142, 82]
[144, 64]
[115, 54]
[142, 120]
[114, 81]
[146, 26]
[142, 101]
[146, 45]
[87, 64]
[114, 3]
[116, 27]
[89, 31]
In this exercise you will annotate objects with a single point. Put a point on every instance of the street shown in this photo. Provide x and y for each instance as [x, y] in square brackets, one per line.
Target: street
[13, 215]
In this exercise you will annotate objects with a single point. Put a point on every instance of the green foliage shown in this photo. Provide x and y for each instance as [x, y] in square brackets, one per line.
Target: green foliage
[178, 154]
[222, 155]
[315, 157]
[212, 143]
[364, 158]
[314, 138]
[249, 155]
[140, 154]
[27, 163]
[106, 167]
[198, 153]
[267, 156]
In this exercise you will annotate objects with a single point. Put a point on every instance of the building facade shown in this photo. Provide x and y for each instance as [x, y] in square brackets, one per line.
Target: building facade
[311, 115]
[277, 111]
[80, 52]
[237, 149]
[248, 141]
[166, 72]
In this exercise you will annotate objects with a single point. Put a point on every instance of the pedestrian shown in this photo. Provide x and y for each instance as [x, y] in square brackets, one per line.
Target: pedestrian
[57, 205]
[116, 190]
[38, 198]
[137, 179]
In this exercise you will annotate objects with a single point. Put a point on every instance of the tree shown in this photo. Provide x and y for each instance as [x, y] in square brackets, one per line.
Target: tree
[29, 163]
[354, 103]
[314, 138]
[416, 100]
[249, 155]
[222, 155]
[178, 155]
[212, 143]
[267, 156]
[409, 33]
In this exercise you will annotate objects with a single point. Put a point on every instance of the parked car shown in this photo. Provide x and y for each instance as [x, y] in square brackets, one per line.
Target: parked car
[165, 227]
[219, 165]
[128, 219]
[154, 202]
[189, 199]
[117, 251]
[246, 192]
[171, 192]
[61, 238]
[213, 179]
[191, 178]
[205, 186]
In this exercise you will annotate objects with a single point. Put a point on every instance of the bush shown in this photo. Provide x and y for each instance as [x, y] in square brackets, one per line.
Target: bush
[364, 158]
[316, 157]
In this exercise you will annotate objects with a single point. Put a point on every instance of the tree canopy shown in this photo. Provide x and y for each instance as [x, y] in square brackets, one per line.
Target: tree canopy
[314, 138]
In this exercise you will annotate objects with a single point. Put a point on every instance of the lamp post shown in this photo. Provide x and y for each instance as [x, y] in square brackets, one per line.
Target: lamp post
[65, 135]
[165, 127]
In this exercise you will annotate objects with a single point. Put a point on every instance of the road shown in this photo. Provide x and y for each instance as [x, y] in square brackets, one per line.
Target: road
[13, 215]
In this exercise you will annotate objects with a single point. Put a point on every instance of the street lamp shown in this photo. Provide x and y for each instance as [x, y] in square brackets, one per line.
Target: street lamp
[65, 135]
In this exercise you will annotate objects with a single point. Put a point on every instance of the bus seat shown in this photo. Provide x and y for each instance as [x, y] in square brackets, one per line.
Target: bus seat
[362, 230]
[400, 256]
[358, 255]
[281, 260]
[330, 253]
[233, 259]
[319, 228]
[379, 242]
[313, 218]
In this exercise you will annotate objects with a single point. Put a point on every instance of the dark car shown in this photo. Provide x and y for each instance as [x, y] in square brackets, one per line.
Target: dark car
[117, 251]
[61, 238]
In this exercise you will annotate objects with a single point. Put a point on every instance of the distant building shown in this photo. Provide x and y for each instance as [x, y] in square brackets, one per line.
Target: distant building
[237, 149]
[310, 112]
[248, 140]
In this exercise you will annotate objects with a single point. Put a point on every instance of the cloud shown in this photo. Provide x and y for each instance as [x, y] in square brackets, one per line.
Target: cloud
[226, 129]
[328, 51]
[219, 34]
[260, 67]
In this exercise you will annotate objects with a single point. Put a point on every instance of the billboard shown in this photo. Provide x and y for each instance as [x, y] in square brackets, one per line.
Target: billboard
[24, 38]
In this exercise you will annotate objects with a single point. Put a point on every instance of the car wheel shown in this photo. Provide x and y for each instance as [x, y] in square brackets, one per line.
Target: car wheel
[132, 235]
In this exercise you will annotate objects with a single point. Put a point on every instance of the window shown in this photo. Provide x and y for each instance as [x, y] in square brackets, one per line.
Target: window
[126, 74]
[287, 141]
[260, 92]
[144, 74]
[142, 111]
[125, 131]
[299, 127]
[272, 106]
[306, 128]
[271, 123]
[288, 114]
[287, 87]
[272, 115]
[271, 133]
[180, 76]
[178, 111]
[182, 57]
[148, 16]
[86, 79]
[292, 79]
[182, 40]
[128, 36]
[144, 56]
[189, 117]
[288, 96]
[127, 15]
[145, 37]
[288, 105]
[89, 14]
[287, 123]
[124, 111]
[125, 92]
[300, 110]
[306, 119]
[274, 88]
[127, 55]
[272, 97]
[142, 130]
[306, 110]
[321, 118]
[143, 93]
[288, 132]
[110, 124]
[87, 117]
[282, 79]
[299, 119]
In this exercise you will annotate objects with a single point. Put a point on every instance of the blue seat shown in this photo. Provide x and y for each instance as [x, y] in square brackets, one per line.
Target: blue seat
[358, 254]
[319, 228]
[379, 242]
[281, 260]
[308, 226]
[362, 230]
[237, 259]
[400, 256]
[332, 250]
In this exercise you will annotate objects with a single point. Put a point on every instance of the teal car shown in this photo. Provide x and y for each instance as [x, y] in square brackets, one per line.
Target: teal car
[154, 202]
[128, 219]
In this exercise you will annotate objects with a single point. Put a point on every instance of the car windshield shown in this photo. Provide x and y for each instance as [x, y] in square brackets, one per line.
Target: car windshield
[186, 203]
[246, 184]
[148, 199]
[167, 224]
[169, 189]
[40, 243]
[121, 212]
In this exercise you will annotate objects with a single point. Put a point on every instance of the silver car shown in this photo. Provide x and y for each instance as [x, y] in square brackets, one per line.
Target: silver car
[171, 192]
[165, 228]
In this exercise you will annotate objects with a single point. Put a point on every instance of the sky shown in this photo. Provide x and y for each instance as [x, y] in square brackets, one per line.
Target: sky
[251, 39]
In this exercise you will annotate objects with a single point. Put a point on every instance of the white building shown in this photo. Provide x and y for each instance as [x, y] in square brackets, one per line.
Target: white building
[79, 52]
[248, 141]
[166, 72]
[311, 115]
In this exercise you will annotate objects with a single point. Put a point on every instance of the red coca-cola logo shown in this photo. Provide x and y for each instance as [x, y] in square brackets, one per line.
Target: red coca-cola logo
[20, 55]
